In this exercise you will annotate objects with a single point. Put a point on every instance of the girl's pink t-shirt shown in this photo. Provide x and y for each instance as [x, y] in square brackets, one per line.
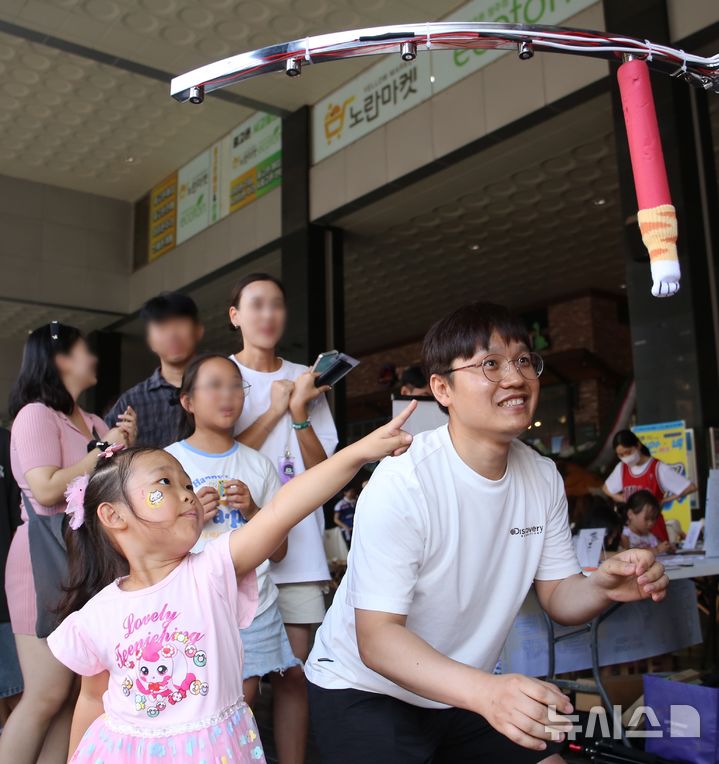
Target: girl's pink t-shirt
[173, 650]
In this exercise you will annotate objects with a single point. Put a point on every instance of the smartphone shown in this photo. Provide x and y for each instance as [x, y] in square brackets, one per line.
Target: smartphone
[325, 361]
[332, 366]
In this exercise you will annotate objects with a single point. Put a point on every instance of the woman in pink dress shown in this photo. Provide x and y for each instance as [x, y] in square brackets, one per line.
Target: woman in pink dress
[52, 441]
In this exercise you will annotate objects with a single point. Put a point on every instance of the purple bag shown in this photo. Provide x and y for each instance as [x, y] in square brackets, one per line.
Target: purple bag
[689, 718]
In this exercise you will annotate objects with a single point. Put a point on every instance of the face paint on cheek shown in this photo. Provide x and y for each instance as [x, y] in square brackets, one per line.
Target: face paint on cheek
[155, 499]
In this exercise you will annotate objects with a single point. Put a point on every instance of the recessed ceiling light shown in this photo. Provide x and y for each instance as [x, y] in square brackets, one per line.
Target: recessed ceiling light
[129, 160]
[537, 424]
[622, 286]
[600, 202]
[432, 78]
[474, 247]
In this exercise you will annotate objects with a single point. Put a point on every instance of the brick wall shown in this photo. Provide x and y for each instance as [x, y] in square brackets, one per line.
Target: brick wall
[570, 325]
[592, 322]
[612, 336]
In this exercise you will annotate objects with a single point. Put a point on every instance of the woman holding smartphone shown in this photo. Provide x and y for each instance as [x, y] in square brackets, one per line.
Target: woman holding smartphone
[287, 419]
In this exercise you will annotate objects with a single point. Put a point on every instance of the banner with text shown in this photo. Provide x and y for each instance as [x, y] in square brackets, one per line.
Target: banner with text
[254, 160]
[668, 443]
[193, 204]
[163, 217]
[392, 86]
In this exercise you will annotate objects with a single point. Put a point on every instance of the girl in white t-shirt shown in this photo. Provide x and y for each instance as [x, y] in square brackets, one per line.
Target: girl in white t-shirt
[232, 482]
[640, 516]
[288, 420]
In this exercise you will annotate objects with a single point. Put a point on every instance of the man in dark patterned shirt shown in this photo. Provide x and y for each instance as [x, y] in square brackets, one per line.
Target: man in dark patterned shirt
[173, 333]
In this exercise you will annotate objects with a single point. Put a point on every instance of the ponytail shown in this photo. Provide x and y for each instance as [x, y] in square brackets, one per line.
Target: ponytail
[93, 560]
[93, 564]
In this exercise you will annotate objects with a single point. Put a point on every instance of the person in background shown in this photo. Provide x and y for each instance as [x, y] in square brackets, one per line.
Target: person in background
[414, 382]
[598, 512]
[173, 332]
[638, 470]
[10, 674]
[344, 512]
[232, 482]
[287, 418]
[52, 442]
[640, 515]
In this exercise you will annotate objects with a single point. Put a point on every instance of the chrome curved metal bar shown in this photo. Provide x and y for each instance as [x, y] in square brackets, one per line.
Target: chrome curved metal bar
[407, 40]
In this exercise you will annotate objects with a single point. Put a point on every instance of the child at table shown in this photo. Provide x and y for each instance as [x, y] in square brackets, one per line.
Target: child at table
[640, 514]
[600, 513]
[156, 638]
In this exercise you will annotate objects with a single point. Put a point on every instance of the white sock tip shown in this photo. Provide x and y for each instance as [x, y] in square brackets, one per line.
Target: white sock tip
[665, 277]
[665, 288]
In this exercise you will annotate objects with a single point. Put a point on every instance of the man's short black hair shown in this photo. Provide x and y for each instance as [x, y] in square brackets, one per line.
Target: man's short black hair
[460, 334]
[413, 376]
[169, 305]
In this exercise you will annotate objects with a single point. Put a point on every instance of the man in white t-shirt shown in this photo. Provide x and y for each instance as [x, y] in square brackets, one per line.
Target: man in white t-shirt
[447, 541]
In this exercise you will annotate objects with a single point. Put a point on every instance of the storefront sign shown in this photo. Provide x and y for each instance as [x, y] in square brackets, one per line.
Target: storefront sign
[384, 92]
[163, 217]
[392, 87]
[668, 442]
[254, 159]
[241, 167]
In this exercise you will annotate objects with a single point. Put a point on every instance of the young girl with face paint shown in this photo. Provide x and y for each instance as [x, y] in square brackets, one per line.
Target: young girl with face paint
[232, 482]
[152, 628]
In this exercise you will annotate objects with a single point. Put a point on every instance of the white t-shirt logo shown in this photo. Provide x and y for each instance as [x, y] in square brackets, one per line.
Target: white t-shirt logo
[532, 530]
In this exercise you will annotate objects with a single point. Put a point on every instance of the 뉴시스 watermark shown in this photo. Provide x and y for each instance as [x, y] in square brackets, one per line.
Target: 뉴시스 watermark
[684, 721]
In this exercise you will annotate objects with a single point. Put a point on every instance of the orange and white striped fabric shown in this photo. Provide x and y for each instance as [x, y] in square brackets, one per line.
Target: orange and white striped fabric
[658, 226]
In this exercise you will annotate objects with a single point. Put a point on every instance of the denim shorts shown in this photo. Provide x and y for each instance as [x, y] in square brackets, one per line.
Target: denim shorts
[10, 674]
[266, 646]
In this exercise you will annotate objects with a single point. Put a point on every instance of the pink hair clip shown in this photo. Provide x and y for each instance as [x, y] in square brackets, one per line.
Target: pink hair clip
[110, 451]
[75, 497]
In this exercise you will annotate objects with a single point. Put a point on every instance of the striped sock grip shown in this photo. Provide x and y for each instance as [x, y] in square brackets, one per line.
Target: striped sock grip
[659, 234]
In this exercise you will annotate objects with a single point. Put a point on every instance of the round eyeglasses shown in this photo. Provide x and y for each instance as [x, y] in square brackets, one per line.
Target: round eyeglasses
[497, 367]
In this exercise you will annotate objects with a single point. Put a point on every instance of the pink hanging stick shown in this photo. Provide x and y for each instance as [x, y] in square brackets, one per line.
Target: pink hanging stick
[657, 216]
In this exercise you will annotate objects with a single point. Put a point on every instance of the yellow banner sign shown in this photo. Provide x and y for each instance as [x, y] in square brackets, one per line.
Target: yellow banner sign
[669, 444]
[163, 217]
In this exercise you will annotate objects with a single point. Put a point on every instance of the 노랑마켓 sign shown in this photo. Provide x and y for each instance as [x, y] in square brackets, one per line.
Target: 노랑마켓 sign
[392, 87]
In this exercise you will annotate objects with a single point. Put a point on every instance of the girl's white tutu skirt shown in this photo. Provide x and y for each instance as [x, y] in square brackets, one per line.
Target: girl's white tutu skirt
[230, 739]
